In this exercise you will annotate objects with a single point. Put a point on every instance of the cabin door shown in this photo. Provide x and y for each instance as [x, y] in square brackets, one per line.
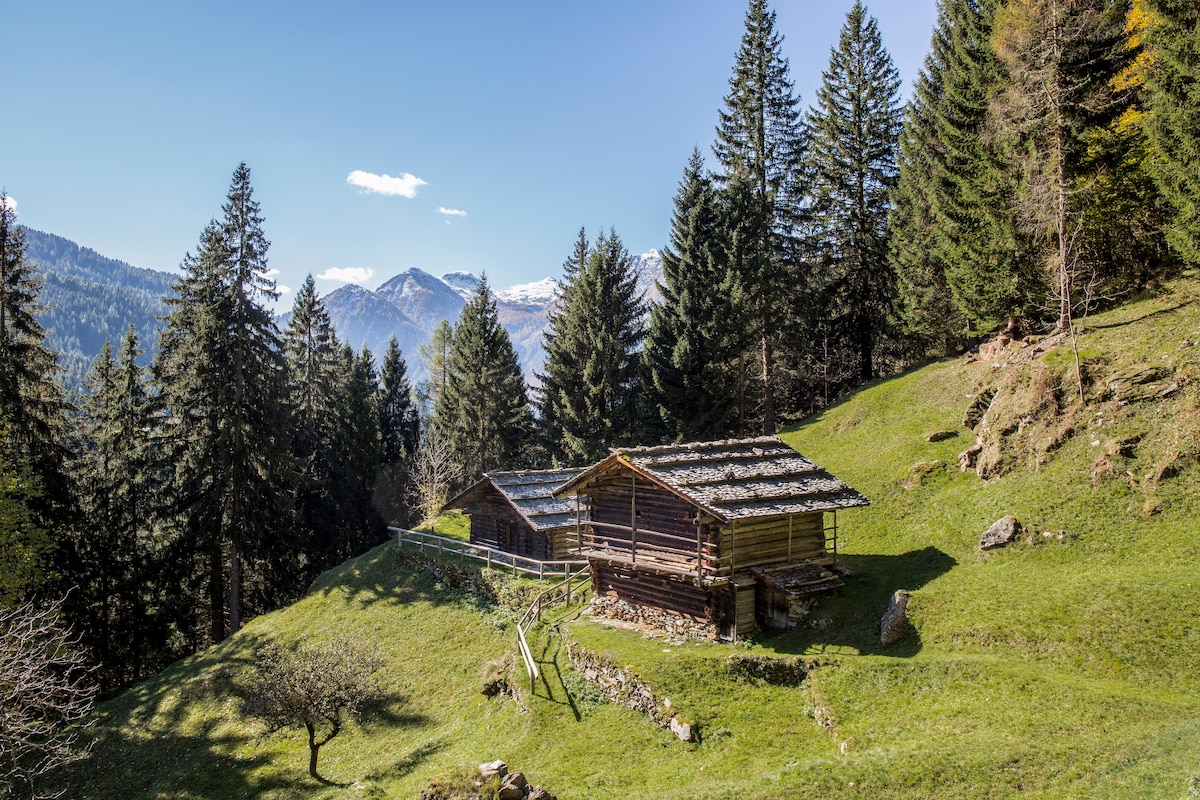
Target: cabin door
[725, 610]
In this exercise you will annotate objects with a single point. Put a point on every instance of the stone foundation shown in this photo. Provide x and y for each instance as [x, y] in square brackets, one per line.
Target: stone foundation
[605, 607]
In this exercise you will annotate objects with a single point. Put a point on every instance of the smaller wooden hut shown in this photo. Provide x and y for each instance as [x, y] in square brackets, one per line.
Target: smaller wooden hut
[516, 512]
[729, 535]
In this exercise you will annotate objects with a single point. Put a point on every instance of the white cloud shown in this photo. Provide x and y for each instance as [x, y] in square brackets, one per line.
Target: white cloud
[451, 212]
[279, 287]
[10, 202]
[271, 273]
[347, 274]
[405, 185]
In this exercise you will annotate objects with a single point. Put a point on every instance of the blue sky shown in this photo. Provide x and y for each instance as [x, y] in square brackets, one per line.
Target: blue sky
[125, 121]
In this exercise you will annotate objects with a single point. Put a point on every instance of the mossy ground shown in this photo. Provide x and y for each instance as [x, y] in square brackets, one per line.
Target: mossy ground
[1053, 668]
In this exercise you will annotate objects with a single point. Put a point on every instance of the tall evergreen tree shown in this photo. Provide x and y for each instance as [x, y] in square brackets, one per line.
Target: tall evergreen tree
[688, 346]
[125, 622]
[759, 147]
[483, 413]
[314, 376]
[928, 316]
[399, 425]
[854, 130]
[590, 388]
[32, 402]
[400, 435]
[1059, 57]
[1174, 127]
[221, 372]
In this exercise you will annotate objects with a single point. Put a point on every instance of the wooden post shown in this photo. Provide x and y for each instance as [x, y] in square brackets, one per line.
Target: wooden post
[790, 518]
[699, 549]
[633, 520]
[489, 558]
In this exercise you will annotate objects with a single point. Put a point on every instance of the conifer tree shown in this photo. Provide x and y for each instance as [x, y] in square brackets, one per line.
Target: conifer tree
[399, 433]
[32, 403]
[399, 425]
[221, 373]
[125, 624]
[1174, 127]
[1059, 57]
[928, 316]
[592, 353]
[483, 413]
[314, 375]
[435, 355]
[556, 394]
[759, 147]
[689, 342]
[851, 158]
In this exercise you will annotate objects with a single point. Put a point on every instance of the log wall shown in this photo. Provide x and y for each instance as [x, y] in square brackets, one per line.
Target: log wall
[760, 542]
[494, 523]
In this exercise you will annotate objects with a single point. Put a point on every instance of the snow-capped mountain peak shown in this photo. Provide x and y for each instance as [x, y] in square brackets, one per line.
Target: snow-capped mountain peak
[538, 293]
[462, 282]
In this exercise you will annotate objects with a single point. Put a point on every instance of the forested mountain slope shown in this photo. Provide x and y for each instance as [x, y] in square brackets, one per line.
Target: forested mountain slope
[90, 298]
[1062, 665]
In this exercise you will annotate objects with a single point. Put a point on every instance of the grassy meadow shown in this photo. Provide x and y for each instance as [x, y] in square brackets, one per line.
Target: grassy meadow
[1062, 666]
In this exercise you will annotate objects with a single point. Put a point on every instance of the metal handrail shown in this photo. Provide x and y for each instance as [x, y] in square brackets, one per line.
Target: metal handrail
[489, 555]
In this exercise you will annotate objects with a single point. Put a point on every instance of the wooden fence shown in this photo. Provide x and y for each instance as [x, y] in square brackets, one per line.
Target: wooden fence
[558, 592]
[496, 559]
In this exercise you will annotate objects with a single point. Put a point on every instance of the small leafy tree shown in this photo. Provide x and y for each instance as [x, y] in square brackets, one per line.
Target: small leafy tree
[46, 695]
[318, 686]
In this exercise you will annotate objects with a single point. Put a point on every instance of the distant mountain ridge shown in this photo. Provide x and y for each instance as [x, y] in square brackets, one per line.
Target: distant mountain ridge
[415, 297]
[90, 298]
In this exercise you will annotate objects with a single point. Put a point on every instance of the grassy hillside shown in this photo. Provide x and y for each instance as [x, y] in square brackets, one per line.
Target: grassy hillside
[1062, 666]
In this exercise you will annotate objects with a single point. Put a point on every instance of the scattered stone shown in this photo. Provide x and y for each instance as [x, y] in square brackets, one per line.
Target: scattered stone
[681, 729]
[968, 458]
[512, 787]
[1185, 344]
[844, 748]
[538, 793]
[1002, 532]
[1060, 535]
[493, 768]
[1137, 383]
[940, 436]
[894, 624]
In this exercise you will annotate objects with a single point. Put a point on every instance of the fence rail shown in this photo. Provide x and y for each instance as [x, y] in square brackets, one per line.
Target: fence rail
[559, 591]
[494, 558]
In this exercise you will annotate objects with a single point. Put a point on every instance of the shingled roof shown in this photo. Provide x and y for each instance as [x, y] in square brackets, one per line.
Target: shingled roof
[731, 479]
[530, 493]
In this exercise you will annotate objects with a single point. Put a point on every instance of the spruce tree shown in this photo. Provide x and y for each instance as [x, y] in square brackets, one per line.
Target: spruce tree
[557, 394]
[126, 626]
[590, 386]
[221, 372]
[32, 403]
[483, 413]
[759, 147]
[399, 425]
[314, 375]
[399, 433]
[851, 158]
[688, 346]
[1174, 127]
[928, 317]
[435, 355]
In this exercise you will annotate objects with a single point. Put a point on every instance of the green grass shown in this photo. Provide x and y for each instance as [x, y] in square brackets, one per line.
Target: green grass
[1051, 669]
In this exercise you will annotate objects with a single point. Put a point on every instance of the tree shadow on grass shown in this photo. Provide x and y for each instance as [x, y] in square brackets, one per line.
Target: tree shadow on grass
[848, 620]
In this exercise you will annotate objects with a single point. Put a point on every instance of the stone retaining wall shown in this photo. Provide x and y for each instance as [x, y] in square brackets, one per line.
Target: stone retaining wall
[622, 686]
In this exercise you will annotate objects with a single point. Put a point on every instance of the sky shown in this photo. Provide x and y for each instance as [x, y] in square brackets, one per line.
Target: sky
[457, 135]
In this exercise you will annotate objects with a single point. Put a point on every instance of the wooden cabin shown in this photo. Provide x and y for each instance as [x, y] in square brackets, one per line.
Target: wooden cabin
[516, 512]
[733, 535]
